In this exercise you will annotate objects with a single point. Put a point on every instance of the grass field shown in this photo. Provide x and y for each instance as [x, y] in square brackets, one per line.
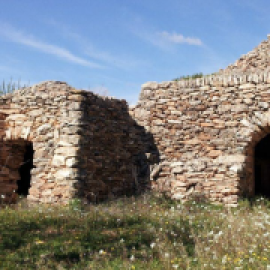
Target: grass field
[144, 232]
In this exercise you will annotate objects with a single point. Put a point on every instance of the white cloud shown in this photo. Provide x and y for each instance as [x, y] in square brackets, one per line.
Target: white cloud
[164, 40]
[179, 39]
[16, 36]
[119, 61]
[160, 39]
[108, 58]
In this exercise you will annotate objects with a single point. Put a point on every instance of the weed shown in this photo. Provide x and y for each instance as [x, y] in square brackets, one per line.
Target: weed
[142, 232]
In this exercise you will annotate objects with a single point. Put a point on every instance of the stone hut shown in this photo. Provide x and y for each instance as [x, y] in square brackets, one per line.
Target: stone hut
[206, 138]
[58, 143]
[212, 133]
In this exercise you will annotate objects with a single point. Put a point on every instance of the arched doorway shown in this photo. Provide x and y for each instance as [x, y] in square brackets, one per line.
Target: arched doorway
[16, 163]
[25, 170]
[262, 167]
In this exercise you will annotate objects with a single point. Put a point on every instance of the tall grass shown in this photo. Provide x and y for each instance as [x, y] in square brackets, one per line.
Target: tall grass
[145, 232]
[10, 86]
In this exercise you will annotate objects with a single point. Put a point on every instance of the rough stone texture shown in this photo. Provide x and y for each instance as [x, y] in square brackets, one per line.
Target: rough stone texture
[205, 131]
[84, 145]
[188, 138]
[257, 60]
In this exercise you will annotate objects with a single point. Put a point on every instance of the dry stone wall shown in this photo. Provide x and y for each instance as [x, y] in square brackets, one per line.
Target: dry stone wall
[257, 60]
[111, 145]
[84, 145]
[205, 131]
[36, 115]
[186, 138]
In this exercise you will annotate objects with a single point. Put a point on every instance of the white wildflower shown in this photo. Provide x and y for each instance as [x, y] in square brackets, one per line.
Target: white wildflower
[122, 240]
[166, 255]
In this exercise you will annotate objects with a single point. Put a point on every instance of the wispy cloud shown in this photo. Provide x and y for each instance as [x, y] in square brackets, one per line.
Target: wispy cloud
[12, 34]
[115, 61]
[163, 39]
[179, 39]
[118, 61]
[160, 38]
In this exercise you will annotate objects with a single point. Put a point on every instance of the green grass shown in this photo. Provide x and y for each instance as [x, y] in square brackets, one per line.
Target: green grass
[193, 76]
[144, 232]
[188, 77]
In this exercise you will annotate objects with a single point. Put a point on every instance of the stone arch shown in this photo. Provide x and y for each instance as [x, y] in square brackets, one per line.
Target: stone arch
[262, 167]
[257, 128]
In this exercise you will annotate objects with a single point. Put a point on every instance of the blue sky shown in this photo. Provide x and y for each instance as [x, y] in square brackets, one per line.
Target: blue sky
[114, 46]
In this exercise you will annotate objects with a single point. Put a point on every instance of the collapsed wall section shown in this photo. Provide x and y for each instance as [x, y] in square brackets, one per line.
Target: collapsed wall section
[205, 131]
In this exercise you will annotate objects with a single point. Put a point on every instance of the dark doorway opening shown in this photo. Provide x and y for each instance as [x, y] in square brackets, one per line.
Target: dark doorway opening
[25, 171]
[262, 167]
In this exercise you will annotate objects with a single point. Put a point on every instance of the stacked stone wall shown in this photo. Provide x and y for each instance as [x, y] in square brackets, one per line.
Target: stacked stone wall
[190, 138]
[35, 115]
[255, 61]
[84, 145]
[111, 144]
[205, 131]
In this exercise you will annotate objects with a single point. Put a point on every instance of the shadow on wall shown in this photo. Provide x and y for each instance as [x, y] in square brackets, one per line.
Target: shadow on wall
[115, 153]
[255, 173]
[16, 163]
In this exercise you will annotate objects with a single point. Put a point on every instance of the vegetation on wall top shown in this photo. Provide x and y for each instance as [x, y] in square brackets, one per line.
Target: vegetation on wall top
[193, 76]
[11, 86]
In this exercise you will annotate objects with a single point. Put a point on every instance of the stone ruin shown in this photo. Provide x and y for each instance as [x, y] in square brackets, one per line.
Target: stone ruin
[212, 133]
[206, 138]
[59, 143]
